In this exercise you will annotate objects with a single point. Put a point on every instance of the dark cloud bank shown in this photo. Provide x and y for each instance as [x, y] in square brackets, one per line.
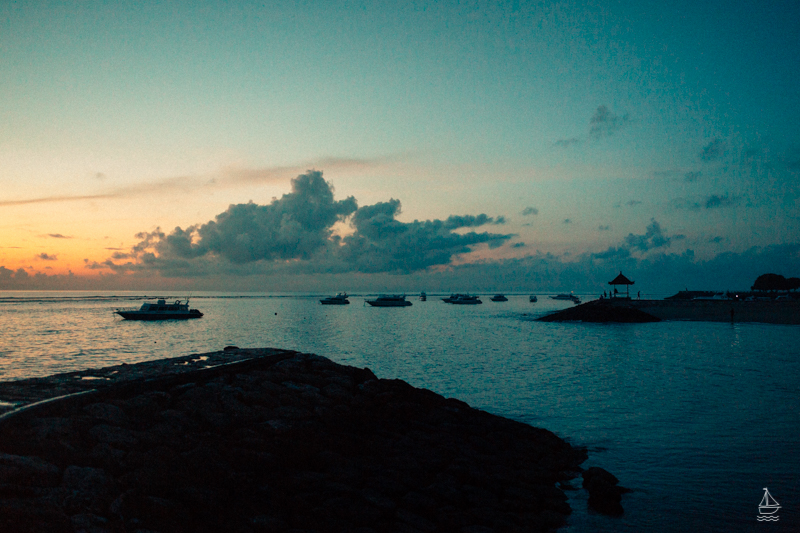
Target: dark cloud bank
[295, 234]
[292, 244]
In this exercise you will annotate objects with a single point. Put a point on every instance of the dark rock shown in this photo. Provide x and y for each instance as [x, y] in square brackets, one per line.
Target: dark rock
[600, 311]
[282, 442]
[107, 413]
[29, 471]
[114, 435]
[86, 489]
[605, 495]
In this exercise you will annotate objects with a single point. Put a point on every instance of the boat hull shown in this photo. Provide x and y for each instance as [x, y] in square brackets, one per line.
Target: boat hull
[337, 302]
[138, 315]
[374, 303]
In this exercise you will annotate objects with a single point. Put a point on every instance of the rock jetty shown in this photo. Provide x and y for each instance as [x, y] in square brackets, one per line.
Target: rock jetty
[266, 440]
[600, 311]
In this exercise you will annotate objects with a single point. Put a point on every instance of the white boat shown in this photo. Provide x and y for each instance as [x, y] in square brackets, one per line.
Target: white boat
[465, 299]
[160, 310]
[339, 299]
[768, 504]
[389, 300]
[564, 296]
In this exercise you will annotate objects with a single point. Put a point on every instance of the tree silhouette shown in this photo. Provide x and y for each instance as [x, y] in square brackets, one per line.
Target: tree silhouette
[770, 282]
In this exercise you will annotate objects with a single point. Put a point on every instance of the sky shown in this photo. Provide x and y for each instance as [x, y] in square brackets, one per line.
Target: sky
[411, 145]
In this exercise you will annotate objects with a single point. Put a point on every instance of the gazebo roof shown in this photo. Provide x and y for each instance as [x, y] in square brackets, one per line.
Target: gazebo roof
[620, 280]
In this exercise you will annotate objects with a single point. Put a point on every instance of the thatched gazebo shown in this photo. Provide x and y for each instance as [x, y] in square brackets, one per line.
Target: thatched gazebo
[621, 280]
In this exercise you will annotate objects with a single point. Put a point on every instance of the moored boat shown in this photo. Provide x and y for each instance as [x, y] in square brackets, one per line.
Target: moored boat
[339, 299]
[499, 298]
[533, 298]
[389, 300]
[160, 310]
[564, 296]
[465, 299]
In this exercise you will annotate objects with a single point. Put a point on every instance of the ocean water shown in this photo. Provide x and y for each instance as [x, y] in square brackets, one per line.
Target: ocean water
[697, 418]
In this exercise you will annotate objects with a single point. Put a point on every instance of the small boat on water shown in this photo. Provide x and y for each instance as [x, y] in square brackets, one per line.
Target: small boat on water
[768, 504]
[389, 300]
[339, 299]
[423, 297]
[499, 298]
[160, 310]
[564, 296]
[462, 299]
[533, 299]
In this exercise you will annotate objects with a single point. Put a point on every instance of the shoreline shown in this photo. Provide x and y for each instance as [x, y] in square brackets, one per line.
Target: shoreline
[625, 310]
[273, 440]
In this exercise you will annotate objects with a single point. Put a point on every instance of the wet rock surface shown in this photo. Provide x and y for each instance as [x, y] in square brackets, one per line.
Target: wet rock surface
[275, 441]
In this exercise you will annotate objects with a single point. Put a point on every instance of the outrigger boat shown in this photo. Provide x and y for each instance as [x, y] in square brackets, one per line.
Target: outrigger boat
[160, 310]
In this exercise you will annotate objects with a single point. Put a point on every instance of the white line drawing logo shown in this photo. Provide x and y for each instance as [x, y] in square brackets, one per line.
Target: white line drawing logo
[768, 508]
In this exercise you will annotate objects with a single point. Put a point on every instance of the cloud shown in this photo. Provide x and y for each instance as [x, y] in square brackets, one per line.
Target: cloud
[633, 203]
[566, 143]
[691, 177]
[528, 211]
[294, 227]
[381, 243]
[518, 245]
[603, 228]
[713, 150]
[58, 236]
[653, 238]
[46, 257]
[226, 178]
[613, 252]
[567, 221]
[296, 231]
[604, 123]
[470, 221]
[713, 201]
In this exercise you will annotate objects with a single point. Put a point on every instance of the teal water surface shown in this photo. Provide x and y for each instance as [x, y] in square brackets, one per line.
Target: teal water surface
[697, 418]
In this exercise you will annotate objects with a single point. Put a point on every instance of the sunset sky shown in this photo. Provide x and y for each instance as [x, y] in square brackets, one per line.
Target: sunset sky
[398, 145]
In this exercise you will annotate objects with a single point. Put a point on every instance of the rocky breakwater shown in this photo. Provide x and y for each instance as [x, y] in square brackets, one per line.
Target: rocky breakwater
[601, 311]
[271, 441]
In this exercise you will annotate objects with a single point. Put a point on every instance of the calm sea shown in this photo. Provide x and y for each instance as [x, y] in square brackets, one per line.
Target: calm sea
[696, 417]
